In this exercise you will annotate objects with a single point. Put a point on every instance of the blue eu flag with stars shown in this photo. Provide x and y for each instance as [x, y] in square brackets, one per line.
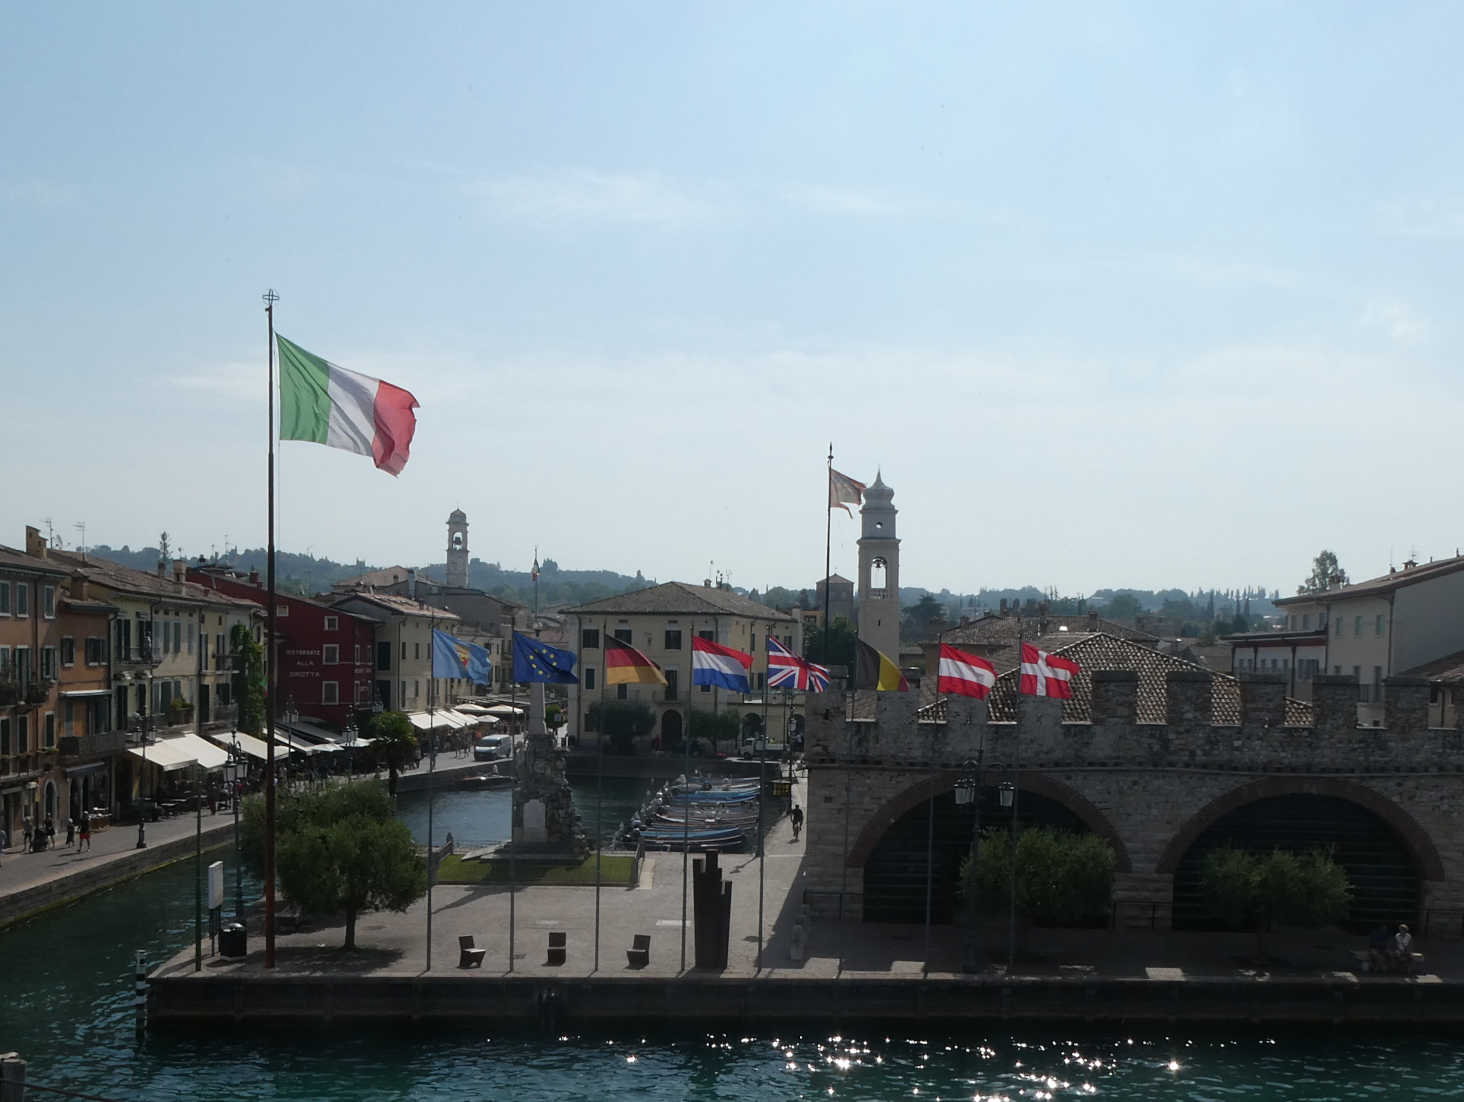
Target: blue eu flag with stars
[536, 661]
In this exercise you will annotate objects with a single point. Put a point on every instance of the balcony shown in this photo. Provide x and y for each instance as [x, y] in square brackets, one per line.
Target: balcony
[143, 656]
[93, 745]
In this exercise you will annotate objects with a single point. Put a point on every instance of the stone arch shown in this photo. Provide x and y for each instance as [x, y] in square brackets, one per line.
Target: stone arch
[896, 806]
[671, 729]
[1420, 845]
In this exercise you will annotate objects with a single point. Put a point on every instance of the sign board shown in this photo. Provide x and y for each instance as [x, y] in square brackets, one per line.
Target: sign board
[216, 885]
[782, 788]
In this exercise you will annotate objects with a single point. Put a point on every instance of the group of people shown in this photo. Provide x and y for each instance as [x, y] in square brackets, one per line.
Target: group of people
[1390, 951]
[38, 837]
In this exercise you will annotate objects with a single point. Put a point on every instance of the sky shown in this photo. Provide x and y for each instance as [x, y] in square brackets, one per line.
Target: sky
[1113, 295]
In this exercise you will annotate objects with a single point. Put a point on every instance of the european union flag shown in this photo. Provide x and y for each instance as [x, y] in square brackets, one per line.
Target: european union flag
[451, 657]
[536, 661]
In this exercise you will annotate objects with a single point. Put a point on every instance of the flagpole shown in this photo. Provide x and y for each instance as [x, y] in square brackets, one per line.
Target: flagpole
[270, 298]
[930, 827]
[762, 843]
[600, 783]
[431, 767]
[1012, 837]
[686, 779]
[513, 789]
[828, 552]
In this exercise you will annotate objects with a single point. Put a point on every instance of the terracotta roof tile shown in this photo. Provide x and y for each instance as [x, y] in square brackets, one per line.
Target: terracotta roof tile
[679, 599]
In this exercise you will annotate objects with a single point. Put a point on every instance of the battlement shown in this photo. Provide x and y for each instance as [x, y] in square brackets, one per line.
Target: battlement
[896, 735]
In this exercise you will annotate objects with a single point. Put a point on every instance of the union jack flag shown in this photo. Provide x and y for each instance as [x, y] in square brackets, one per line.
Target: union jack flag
[787, 671]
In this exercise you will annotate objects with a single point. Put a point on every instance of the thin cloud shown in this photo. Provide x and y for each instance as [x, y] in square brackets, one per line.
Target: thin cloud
[584, 196]
[34, 191]
[1424, 219]
[1398, 320]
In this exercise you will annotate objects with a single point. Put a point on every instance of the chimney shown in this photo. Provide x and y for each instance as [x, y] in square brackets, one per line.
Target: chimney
[180, 570]
[1093, 621]
[35, 546]
[412, 584]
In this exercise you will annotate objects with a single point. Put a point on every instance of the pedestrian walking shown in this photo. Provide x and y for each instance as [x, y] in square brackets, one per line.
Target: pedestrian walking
[70, 831]
[797, 818]
[50, 831]
[85, 834]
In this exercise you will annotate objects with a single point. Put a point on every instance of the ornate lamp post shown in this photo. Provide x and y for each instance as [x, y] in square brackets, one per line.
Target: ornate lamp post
[234, 770]
[1008, 795]
[968, 791]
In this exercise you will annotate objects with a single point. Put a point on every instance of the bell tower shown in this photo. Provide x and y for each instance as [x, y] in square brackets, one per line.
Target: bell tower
[879, 571]
[457, 548]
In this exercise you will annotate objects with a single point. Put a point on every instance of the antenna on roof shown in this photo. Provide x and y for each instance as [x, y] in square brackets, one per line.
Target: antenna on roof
[81, 526]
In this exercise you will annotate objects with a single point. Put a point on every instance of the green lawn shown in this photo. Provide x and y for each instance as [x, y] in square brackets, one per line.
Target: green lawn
[614, 869]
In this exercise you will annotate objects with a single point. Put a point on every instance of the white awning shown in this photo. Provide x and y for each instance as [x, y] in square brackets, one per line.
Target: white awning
[292, 742]
[248, 744]
[424, 721]
[505, 710]
[472, 709]
[180, 752]
[74, 694]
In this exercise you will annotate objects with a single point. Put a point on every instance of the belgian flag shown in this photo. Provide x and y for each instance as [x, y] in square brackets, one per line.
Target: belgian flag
[874, 670]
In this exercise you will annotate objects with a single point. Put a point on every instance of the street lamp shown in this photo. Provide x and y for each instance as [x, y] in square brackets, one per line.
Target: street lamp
[968, 791]
[1008, 794]
[142, 779]
[233, 776]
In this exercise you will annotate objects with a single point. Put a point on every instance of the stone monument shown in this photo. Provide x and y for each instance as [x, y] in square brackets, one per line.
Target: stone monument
[543, 805]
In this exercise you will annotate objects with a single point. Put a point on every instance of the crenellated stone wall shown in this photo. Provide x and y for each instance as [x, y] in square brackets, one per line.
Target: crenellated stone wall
[1150, 788]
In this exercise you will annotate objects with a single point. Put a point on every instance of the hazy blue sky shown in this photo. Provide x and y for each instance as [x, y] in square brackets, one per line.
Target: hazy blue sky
[1147, 295]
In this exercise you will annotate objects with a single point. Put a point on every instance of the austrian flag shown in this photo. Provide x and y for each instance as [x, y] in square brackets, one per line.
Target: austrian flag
[964, 674]
[1046, 674]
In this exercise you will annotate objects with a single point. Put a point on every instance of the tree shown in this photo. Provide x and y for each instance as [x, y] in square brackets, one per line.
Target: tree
[339, 849]
[716, 727]
[395, 740]
[623, 721]
[248, 680]
[1246, 889]
[1326, 574]
[1063, 879]
[1124, 607]
[921, 617]
[839, 650]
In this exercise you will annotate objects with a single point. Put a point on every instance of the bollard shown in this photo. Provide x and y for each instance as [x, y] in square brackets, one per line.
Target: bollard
[139, 992]
[12, 1077]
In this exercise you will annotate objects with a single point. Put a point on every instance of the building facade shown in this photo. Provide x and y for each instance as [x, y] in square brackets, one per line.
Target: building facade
[660, 621]
[401, 671]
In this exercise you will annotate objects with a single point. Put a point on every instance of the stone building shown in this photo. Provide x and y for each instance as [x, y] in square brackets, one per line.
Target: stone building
[879, 571]
[1160, 757]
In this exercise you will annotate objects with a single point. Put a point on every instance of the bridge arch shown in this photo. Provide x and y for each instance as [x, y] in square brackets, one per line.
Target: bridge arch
[937, 784]
[1420, 846]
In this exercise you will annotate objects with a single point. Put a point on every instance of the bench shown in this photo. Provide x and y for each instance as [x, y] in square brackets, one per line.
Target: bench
[558, 947]
[639, 953]
[1363, 959]
[468, 955]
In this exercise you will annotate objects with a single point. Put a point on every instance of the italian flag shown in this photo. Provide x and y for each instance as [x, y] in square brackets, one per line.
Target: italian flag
[326, 404]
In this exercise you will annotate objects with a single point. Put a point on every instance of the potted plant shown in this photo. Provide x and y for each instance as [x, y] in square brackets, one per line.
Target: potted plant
[179, 710]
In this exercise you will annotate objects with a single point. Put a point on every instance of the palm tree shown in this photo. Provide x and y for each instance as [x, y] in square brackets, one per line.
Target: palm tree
[394, 738]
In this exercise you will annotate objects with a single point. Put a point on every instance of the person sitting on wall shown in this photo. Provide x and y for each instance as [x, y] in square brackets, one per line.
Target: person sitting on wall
[1403, 949]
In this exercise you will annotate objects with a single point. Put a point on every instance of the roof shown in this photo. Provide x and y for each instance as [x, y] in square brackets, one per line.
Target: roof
[1101, 651]
[399, 606]
[1448, 669]
[96, 608]
[19, 560]
[1375, 587]
[680, 599]
[140, 583]
[388, 575]
[995, 630]
[839, 578]
[1274, 638]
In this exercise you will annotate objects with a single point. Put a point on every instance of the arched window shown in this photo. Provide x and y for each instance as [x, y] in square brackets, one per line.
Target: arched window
[877, 572]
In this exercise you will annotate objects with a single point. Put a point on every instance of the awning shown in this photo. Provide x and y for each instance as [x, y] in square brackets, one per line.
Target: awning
[74, 694]
[291, 742]
[180, 752]
[426, 722]
[92, 767]
[505, 710]
[248, 744]
[472, 709]
[310, 732]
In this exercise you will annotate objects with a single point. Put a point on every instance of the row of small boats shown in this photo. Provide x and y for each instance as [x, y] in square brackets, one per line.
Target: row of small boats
[697, 815]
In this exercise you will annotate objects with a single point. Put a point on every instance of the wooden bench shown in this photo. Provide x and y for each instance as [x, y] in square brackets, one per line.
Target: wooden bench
[639, 953]
[468, 956]
[558, 947]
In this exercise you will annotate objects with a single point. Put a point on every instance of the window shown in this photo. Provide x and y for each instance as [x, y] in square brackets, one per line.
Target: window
[22, 664]
[1357, 626]
[762, 680]
[1306, 622]
[672, 677]
[4, 661]
[332, 654]
[48, 741]
[48, 602]
[1339, 627]
[332, 623]
[1379, 626]
[22, 598]
[383, 656]
[68, 651]
[673, 639]
[706, 688]
[22, 734]
[48, 663]
[404, 650]
[282, 610]
[177, 636]
[330, 692]
[192, 631]
[416, 650]
[4, 735]
[589, 638]
[416, 688]
[623, 634]
[4, 598]
[356, 655]
[712, 635]
[589, 679]
[68, 719]
[622, 692]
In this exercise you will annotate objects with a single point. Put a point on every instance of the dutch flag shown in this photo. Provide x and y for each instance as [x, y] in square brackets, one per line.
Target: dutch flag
[714, 664]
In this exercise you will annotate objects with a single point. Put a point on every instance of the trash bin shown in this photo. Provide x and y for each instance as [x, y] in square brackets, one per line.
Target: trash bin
[232, 940]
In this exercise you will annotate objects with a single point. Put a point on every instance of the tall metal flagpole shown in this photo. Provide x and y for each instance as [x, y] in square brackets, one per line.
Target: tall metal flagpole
[600, 782]
[513, 771]
[762, 792]
[1012, 839]
[270, 298]
[431, 767]
[686, 779]
[828, 552]
[930, 826]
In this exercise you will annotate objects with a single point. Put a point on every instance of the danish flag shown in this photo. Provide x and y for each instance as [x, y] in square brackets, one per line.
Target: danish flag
[1045, 674]
[787, 671]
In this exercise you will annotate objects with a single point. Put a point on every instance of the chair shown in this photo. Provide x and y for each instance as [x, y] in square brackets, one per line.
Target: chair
[558, 947]
[639, 953]
[468, 956]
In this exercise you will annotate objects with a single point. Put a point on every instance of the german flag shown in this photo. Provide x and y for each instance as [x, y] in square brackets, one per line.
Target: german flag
[624, 665]
[874, 670]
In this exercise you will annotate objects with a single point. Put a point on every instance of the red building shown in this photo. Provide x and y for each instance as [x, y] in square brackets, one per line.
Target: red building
[324, 654]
